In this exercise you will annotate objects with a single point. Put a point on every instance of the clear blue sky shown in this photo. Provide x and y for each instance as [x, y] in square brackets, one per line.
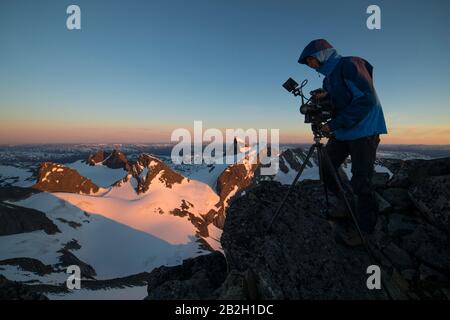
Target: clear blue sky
[138, 69]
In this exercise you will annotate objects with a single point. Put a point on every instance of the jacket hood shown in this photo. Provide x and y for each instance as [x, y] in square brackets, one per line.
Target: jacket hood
[324, 52]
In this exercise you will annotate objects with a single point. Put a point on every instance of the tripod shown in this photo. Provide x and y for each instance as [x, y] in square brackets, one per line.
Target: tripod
[322, 159]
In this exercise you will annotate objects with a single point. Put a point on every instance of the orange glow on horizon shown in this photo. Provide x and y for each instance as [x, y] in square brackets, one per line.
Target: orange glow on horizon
[27, 133]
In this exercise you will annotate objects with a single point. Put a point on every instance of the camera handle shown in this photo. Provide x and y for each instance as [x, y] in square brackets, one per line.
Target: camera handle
[299, 91]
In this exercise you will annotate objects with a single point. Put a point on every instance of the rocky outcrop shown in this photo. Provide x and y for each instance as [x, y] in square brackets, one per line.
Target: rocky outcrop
[114, 160]
[117, 160]
[15, 194]
[293, 159]
[301, 259]
[54, 177]
[16, 219]
[148, 168]
[232, 181]
[67, 258]
[412, 172]
[432, 197]
[197, 278]
[29, 264]
[11, 290]
[97, 158]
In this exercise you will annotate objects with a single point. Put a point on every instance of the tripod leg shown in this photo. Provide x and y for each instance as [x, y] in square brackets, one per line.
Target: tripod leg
[342, 192]
[277, 212]
[321, 173]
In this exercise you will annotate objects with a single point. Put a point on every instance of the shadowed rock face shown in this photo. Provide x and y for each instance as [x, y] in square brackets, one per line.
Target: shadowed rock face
[411, 172]
[16, 219]
[11, 290]
[67, 258]
[29, 264]
[13, 194]
[54, 177]
[96, 158]
[432, 197]
[197, 278]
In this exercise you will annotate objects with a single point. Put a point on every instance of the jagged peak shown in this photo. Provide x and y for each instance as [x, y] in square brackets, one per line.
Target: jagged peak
[54, 177]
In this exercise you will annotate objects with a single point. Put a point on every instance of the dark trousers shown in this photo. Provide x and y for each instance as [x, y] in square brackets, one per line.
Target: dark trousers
[363, 153]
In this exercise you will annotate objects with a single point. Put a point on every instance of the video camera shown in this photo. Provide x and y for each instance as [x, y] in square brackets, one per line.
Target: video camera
[318, 108]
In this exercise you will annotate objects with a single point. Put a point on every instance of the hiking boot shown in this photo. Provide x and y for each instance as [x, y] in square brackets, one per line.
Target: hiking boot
[349, 238]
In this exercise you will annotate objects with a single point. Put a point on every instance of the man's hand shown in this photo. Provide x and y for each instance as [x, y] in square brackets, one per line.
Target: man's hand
[325, 130]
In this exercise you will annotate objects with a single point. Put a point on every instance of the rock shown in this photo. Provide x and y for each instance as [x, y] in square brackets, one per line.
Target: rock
[432, 198]
[399, 199]
[234, 287]
[147, 168]
[400, 225]
[380, 179]
[96, 158]
[429, 245]
[196, 278]
[430, 275]
[393, 165]
[398, 256]
[292, 158]
[234, 179]
[117, 160]
[29, 264]
[15, 194]
[71, 224]
[113, 160]
[401, 282]
[300, 258]
[409, 274]
[54, 177]
[72, 245]
[415, 171]
[68, 258]
[16, 219]
[11, 290]
[383, 206]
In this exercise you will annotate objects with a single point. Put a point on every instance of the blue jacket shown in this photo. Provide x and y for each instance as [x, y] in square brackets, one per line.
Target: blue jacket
[349, 82]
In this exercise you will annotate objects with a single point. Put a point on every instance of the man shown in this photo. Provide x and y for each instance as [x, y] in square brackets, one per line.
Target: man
[355, 127]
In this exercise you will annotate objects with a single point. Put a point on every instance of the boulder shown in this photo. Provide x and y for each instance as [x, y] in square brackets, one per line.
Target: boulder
[196, 278]
[380, 179]
[430, 246]
[399, 199]
[432, 198]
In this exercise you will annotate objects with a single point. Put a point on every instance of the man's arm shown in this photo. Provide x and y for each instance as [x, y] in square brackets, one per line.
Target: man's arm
[359, 81]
